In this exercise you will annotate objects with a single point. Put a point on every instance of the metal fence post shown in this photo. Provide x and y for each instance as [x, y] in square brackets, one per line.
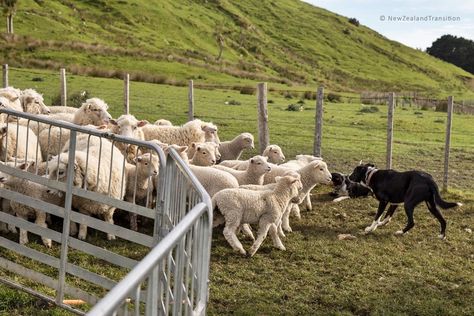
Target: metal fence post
[448, 142]
[263, 135]
[126, 94]
[318, 129]
[62, 75]
[5, 75]
[391, 108]
[191, 101]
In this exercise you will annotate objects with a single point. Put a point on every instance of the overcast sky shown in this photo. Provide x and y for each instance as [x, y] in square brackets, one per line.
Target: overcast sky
[418, 34]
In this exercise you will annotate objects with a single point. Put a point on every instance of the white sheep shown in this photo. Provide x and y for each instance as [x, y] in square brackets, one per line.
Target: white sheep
[191, 132]
[210, 132]
[163, 122]
[265, 208]
[33, 102]
[109, 169]
[62, 109]
[273, 152]
[10, 99]
[93, 111]
[231, 150]
[127, 125]
[140, 185]
[18, 142]
[204, 154]
[257, 168]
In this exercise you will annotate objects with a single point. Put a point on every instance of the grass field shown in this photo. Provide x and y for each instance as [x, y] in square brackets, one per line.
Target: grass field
[375, 274]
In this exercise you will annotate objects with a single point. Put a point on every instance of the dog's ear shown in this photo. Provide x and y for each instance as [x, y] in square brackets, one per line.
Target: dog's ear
[370, 165]
[360, 162]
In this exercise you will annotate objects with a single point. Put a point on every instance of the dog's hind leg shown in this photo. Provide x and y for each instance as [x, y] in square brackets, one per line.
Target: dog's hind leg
[409, 208]
[388, 216]
[435, 211]
[376, 223]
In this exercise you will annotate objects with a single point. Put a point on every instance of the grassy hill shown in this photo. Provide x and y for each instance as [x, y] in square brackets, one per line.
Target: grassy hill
[286, 42]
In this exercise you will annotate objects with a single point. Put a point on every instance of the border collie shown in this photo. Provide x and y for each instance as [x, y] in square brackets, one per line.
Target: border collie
[344, 188]
[409, 188]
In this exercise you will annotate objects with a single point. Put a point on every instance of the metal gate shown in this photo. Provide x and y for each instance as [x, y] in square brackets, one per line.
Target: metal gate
[160, 269]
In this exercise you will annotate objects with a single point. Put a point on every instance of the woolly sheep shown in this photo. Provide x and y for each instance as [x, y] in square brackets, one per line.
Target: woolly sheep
[210, 132]
[93, 111]
[163, 122]
[273, 152]
[191, 132]
[204, 154]
[231, 150]
[127, 125]
[62, 109]
[139, 183]
[254, 174]
[20, 143]
[242, 206]
[33, 102]
[10, 99]
[96, 180]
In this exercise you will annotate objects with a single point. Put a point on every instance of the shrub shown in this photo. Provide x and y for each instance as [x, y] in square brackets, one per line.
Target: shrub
[418, 113]
[300, 102]
[333, 97]
[369, 109]
[233, 102]
[75, 99]
[247, 90]
[346, 31]
[295, 107]
[439, 121]
[354, 21]
[37, 79]
[270, 101]
[309, 95]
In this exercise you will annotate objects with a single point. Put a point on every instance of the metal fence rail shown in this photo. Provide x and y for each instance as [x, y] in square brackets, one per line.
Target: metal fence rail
[178, 207]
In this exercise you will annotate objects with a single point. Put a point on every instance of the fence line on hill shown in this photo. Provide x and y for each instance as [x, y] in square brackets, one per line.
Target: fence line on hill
[390, 99]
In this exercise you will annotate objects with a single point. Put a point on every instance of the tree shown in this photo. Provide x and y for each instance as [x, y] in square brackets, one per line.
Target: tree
[9, 8]
[456, 50]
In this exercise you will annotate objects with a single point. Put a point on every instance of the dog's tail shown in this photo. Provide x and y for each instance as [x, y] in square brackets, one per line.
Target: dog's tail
[440, 202]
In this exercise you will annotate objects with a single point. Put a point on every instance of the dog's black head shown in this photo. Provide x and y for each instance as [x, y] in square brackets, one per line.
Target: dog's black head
[337, 178]
[358, 175]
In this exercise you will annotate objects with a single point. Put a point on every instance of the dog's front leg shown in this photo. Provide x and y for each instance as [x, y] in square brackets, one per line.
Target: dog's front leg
[376, 223]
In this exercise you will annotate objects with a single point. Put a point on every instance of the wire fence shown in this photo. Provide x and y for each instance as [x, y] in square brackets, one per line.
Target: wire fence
[354, 127]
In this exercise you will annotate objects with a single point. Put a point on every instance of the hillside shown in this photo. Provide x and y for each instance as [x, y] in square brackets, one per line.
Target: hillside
[286, 42]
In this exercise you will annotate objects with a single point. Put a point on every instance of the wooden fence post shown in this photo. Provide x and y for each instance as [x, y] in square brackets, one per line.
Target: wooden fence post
[448, 142]
[5, 75]
[263, 135]
[62, 75]
[318, 129]
[391, 108]
[191, 101]
[126, 94]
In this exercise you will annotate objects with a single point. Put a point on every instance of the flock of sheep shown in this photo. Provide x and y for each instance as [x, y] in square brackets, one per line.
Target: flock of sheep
[262, 190]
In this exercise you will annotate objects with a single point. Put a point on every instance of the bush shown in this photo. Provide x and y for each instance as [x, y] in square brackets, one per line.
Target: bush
[233, 102]
[369, 109]
[295, 107]
[309, 95]
[354, 21]
[37, 79]
[247, 90]
[300, 102]
[270, 101]
[75, 99]
[333, 97]
[346, 31]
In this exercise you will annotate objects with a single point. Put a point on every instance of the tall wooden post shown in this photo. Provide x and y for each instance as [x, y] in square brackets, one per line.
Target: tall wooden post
[448, 142]
[391, 108]
[263, 135]
[5, 75]
[126, 94]
[318, 129]
[191, 101]
[62, 76]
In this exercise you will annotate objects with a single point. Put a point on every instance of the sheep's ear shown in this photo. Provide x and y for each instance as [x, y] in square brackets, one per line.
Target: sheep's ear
[252, 161]
[193, 145]
[102, 127]
[316, 163]
[23, 166]
[14, 99]
[76, 166]
[198, 148]
[182, 149]
[113, 122]
[3, 130]
[142, 123]
[139, 159]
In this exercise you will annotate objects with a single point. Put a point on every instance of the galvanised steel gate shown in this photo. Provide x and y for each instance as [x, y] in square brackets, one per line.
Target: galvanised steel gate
[159, 269]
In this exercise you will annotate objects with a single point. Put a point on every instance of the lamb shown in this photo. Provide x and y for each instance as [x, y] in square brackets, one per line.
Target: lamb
[204, 154]
[18, 142]
[242, 206]
[231, 150]
[254, 174]
[94, 179]
[163, 122]
[139, 183]
[10, 99]
[93, 111]
[33, 102]
[191, 132]
[210, 132]
[273, 152]
[127, 125]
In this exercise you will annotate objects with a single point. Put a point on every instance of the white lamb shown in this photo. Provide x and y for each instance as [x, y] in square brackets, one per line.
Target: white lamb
[127, 125]
[93, 111]
[231, 150]
[204, 154]
[33, 102]
[108, 168]
[265, 208]
[273, 152]
[254, 174]
[20, 145]
[210, 132]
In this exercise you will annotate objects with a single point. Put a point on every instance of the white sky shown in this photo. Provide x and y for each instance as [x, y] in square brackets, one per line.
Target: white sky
[415, 34]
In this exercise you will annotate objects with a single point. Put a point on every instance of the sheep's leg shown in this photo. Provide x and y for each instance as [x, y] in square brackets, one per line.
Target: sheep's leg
[285, 221]
[231, 237]
[295, 209]
[23, 232]
[280, 230]
[109, 218]
[247, 230]
[263, 228]
[3, 227]
[7, 209]
[307, 202]
[72, 229]
[82, 232]
[133, 221]
[276, 239]
[41, 221]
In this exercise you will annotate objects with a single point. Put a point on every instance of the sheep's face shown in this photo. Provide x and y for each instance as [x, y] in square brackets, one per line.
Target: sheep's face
[97, 110]
[205, 154]
[33, 102]
[274, 154]
[321, 173]
[147, 165]
[260, 165]
[127, 125]
[293, 183]
[247, 140]
[181, 150]
[57, 171]
[210, 132]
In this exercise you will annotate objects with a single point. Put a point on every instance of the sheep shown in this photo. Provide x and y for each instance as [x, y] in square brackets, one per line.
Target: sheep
[33, 102]
[139, 182]
[210, 132]
[231, 150]
[242, 206]
[62, 109]
[127, 125]
[93, 111]
[191, 132]
[20, 143]
[273, 152]
[10, 99]
[254, 174]
[204, 154]
[163, 122]
[95, 179]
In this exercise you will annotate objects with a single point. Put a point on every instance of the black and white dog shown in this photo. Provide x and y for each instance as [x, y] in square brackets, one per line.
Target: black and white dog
[409, 188]
[344, 188]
